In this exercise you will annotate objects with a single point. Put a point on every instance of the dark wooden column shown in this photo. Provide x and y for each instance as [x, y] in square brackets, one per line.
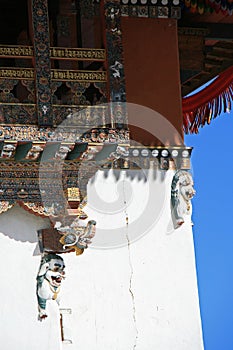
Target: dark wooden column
[40, 29]
[111, 13]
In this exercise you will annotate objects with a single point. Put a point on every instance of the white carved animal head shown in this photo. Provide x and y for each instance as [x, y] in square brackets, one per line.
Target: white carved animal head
[186, 186]
[182, 192]
[52, 268]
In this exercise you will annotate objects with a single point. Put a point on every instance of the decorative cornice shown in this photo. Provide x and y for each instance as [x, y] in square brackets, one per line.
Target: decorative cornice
[18, 133]
[163, 158]
[59, 167]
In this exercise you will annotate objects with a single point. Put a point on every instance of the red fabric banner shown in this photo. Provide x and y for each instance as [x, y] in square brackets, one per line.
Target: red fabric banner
[208, 103]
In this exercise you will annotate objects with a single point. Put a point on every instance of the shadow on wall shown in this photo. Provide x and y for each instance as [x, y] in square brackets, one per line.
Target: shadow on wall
[140, 172]
[22, 226]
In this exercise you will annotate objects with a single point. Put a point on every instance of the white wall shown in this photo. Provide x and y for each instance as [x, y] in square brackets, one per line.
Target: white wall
[124, 295]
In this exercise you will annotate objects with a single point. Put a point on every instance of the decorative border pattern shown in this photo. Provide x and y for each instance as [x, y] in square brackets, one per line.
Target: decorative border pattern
[163, 158]
[149, 8]
[55, 53]
[9, 133]
[201, 7]
[151, 11]
[193, 31]
[17, 73]
[16, 51]
[87, 116]
[42, 61]
[12, 113]
[78, 54]
[55, 74]
[42, 210]
[4, 206]
[88, 76]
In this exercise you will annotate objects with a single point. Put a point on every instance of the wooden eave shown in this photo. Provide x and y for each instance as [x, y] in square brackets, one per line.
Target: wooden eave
[215, 53]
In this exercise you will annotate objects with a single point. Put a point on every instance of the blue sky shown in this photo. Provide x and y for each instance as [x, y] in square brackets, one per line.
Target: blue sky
[212, 164]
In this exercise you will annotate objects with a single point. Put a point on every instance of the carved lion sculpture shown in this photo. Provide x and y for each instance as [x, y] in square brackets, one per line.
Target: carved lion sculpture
[182, 192]
[49, 278]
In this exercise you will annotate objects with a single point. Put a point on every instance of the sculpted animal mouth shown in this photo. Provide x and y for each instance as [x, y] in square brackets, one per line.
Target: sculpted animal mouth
[191, 194]
[57, 279]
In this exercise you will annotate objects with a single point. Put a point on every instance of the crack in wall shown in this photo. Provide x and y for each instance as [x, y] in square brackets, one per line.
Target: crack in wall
[96, 332]
[131, 293]
[131, 269]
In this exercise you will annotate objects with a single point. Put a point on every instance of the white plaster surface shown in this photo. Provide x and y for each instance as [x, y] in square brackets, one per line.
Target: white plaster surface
[141, 295]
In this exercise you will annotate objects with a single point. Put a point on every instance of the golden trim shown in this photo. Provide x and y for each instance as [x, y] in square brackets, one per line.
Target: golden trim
[67, 53]
[17, 104]
[20, 73]
[16, 51]
[77, 54]
[56, 75]
[73, 75]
